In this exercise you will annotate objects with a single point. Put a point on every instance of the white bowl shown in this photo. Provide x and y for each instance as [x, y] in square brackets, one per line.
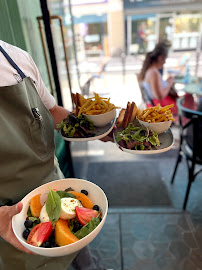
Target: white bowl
[101, 120]
[95, 194]
[159, 127]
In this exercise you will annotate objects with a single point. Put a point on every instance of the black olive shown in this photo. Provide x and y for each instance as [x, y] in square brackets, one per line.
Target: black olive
[43, 244]
[84, 192]
[54, 245]
[51, 239]
[46, 244]
[69, 189]
[96, 207]
[28, 223]
[25, 233]
[77, 226]
[100, 219]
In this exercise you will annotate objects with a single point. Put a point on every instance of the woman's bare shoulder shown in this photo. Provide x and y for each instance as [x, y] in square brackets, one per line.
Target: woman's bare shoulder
[152, 73]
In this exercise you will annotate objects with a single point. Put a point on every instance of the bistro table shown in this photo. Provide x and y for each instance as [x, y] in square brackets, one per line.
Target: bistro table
[193, 87]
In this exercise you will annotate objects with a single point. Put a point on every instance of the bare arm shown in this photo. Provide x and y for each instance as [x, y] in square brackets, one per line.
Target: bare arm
[58, 113]
[6, 231]
[156, 85]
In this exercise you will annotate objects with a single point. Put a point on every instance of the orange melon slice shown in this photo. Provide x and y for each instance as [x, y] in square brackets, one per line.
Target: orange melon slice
[63, 235]
[86, 202]
[35, 206]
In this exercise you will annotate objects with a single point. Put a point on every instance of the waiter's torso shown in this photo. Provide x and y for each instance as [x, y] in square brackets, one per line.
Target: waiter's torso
[26, 139]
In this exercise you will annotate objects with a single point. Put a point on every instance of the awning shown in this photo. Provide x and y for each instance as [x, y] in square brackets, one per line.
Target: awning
[142, 16]
[145, 6]
[128, 4]
[90, 19]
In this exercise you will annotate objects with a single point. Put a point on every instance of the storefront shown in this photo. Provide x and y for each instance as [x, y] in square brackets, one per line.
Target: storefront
[187, 31]
[99, 27]
[91, 34]
[159, 22]
[134, 25]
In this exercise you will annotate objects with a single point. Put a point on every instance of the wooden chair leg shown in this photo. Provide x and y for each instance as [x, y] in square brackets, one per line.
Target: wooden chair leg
[179, 158]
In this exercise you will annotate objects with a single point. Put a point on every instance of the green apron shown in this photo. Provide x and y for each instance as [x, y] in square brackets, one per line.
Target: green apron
[26, 160]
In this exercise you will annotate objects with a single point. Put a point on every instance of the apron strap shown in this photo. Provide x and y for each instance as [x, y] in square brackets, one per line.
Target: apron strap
[22, 75]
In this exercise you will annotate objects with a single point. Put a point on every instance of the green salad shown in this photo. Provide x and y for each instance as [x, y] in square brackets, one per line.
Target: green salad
[76, 126]
[138, 138]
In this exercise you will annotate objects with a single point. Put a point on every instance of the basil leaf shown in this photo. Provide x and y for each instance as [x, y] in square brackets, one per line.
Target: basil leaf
[88, 228]
[64, 194]
[53, 206]
[29, 213]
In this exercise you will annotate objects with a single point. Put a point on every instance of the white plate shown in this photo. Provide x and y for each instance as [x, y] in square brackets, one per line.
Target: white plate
[166, 142]
[100, 132]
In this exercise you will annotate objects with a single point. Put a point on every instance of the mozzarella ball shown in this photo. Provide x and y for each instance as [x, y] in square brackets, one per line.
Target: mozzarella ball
[68, 208]
[44, 215]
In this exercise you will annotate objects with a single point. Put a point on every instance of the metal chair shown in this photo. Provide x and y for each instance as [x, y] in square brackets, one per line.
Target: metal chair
[190, 124]
[146, 98]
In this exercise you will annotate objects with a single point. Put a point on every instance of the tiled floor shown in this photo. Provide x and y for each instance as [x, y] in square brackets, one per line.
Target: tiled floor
[148, 241]
[147, 238]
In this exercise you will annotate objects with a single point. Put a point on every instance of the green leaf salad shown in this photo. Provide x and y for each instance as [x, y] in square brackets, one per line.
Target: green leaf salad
[138, 138]
[76, 126]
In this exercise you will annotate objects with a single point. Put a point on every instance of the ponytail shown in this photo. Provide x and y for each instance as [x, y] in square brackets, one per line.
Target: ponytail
[147, 63]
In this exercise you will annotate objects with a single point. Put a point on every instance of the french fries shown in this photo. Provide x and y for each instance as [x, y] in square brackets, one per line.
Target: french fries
[95, 105]
[156, 114]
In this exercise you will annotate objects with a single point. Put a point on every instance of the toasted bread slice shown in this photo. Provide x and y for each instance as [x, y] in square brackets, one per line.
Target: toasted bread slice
[76, 109]
[133, 112]
[126, 116]
[74, 98]
[120, 118]
[80, 99]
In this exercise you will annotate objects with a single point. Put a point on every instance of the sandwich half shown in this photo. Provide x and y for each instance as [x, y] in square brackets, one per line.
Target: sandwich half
[127, 115]
[79, 100]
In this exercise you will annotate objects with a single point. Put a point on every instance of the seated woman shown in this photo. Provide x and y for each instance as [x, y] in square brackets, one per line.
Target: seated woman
[156, 88]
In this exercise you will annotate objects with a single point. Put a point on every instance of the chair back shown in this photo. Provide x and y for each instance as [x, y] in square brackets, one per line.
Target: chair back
[145, 95]
[190, 128]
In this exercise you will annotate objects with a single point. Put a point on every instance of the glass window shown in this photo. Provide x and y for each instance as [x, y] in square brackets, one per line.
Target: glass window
[187, 23]
[143, 34]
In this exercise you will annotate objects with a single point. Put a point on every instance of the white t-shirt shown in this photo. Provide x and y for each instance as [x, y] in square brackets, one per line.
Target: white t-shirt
[9, 75]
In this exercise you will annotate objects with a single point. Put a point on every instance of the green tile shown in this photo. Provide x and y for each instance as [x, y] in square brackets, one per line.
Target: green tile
[106, 246]
[156, 241]
[189, 240]
[164, 259]
[179, 250]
